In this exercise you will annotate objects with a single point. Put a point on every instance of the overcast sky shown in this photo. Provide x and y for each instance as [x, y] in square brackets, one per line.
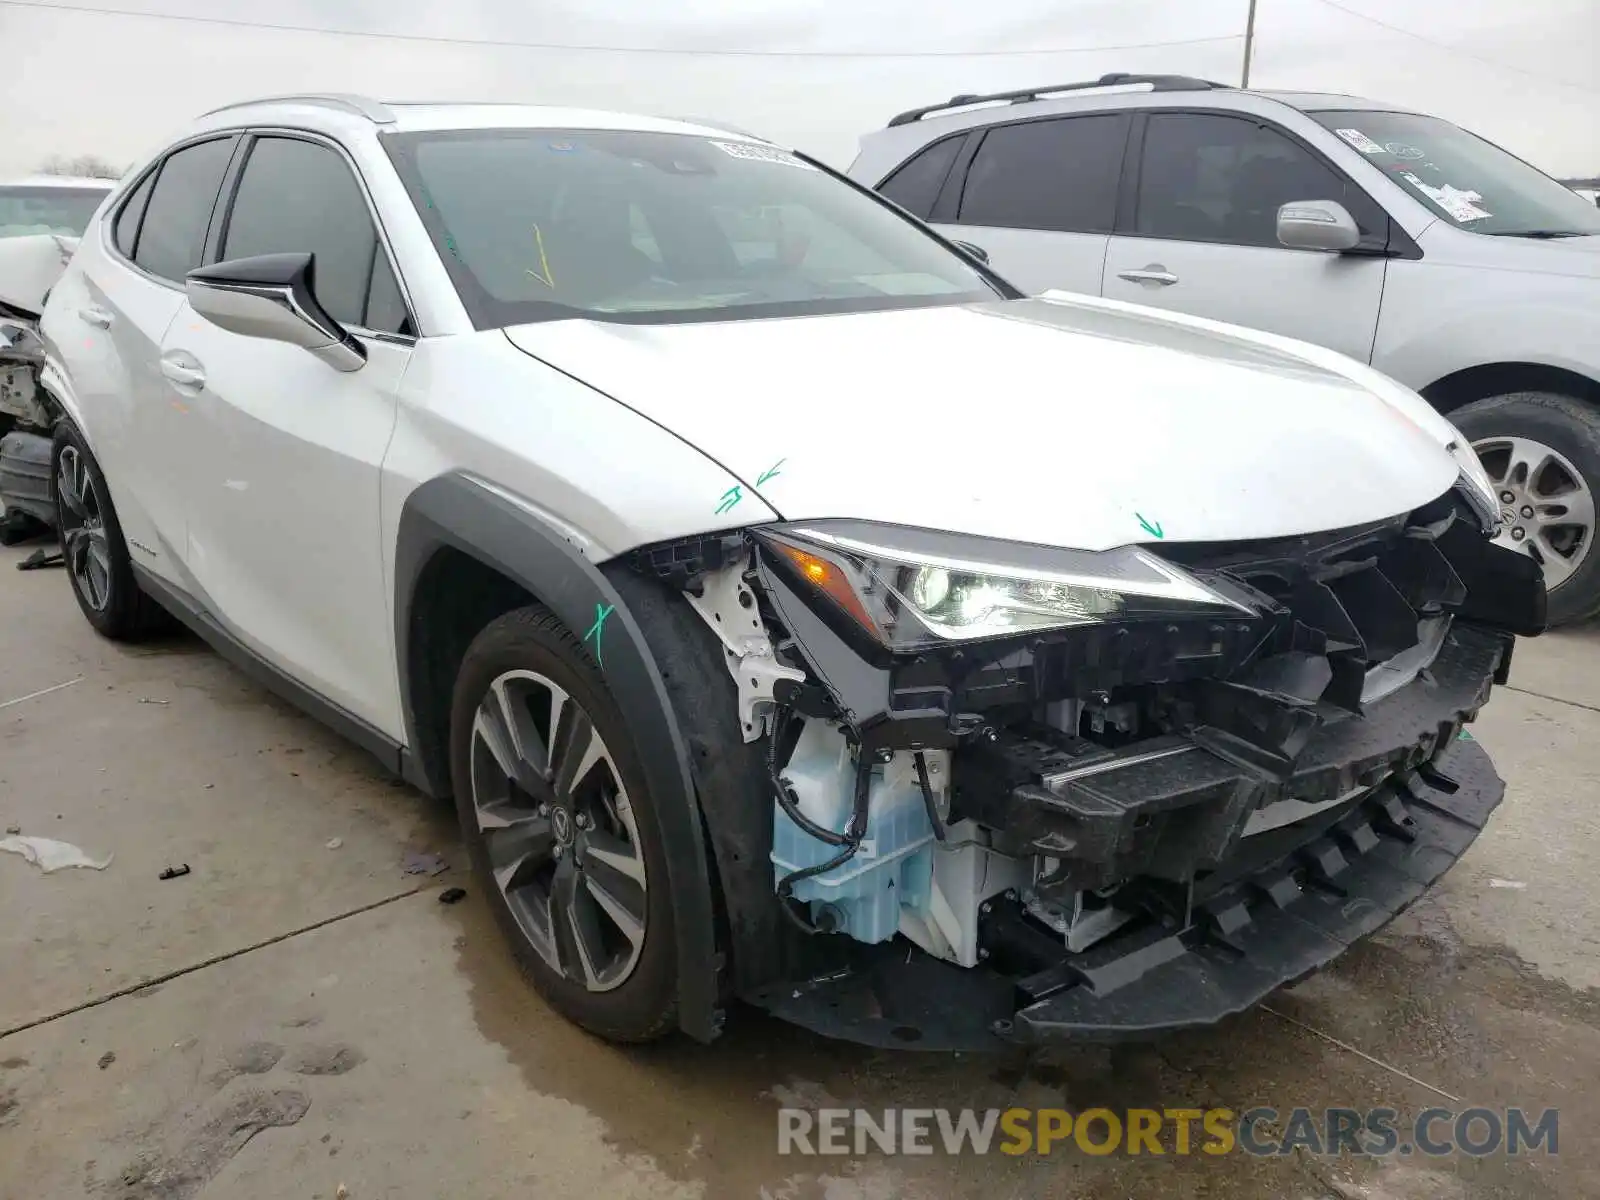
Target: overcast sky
[1525, 74]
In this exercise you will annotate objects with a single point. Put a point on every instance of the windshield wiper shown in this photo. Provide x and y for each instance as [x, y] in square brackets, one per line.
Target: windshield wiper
[1540, 234]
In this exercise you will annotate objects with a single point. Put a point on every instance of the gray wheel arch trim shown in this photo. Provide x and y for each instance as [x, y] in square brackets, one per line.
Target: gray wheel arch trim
[456, 512]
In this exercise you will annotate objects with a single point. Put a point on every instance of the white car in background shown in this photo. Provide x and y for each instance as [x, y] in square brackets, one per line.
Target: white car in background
[41, 218]
[1391, 236]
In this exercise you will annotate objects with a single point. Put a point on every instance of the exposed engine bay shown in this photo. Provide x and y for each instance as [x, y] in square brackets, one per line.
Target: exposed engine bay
[1242, 755]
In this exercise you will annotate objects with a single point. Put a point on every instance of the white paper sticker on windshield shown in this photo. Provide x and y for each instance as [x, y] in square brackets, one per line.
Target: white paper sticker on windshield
[1360, 141]
[1461, 205]
[1403, 151]
[759, 153]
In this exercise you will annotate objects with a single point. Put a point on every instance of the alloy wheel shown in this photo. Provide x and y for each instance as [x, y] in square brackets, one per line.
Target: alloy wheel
[559, 829]
[1546, 507]
[83, 530]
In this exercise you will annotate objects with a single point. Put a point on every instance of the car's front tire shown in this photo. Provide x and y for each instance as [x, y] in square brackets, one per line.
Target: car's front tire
[561, 829]
[98, 566]
[1542, 452]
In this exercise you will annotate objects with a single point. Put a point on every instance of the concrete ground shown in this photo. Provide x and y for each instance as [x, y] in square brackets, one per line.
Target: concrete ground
[319, 1020]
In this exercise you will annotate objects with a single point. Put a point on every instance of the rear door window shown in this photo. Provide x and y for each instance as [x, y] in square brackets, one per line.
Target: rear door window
[915, 186]
[298, 196]
[1059, 174]
[173, 233]
[1205, 177]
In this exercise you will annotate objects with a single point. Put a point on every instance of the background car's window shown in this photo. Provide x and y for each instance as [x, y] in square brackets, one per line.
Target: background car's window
[126, 230]
[172, 236]
[915, 186]
[60, 210]
[635, 226]
[1060, 174]
[1472, 183]
[296, 196]
[1207, 178]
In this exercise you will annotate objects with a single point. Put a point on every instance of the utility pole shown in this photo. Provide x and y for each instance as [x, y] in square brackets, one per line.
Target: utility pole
[1249, 44]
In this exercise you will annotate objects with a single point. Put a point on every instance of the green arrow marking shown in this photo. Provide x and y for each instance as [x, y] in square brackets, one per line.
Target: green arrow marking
[1154, 529]
[729, 498]
[771, 471]
[601, 612]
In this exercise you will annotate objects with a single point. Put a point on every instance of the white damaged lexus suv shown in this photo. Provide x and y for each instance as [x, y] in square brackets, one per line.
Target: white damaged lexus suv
[795, 613]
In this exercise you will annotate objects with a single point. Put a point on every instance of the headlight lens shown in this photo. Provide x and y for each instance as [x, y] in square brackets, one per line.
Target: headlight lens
[912, 588]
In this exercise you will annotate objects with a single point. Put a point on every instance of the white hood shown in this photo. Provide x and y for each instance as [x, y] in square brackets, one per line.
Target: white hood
[1060, 422]
[30, 266]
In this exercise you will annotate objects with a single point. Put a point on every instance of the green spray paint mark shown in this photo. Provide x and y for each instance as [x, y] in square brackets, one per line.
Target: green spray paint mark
[1154, 530]
[729, 498]
[771, 471]
[601, 612]
[1464, 736]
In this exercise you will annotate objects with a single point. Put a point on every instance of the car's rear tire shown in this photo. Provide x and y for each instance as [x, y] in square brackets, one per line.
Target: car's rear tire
[561, 829]
[1542, 451]
[98, 566]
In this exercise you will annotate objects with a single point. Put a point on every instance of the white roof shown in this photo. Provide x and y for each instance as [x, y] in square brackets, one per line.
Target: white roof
[78, 183]
[347, 112]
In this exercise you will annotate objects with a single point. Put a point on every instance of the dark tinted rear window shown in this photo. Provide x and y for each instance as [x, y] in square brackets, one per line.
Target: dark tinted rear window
[172, 237]
[915, 186]
[130, 214]
[1059, 174]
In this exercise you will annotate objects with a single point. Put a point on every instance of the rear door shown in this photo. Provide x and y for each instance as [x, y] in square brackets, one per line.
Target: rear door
[281, 460]
[131, 289]
[1039, 196]
[1198, 232]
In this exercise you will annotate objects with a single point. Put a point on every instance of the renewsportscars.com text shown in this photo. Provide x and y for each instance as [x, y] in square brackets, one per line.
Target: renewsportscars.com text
[1376, 1132]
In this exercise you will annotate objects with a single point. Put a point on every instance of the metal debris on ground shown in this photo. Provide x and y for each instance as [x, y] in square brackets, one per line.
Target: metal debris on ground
[149, 700]
[50, 855]
[421, 863]
[174, 872]
[41, 558]
[452, 895]
[1507, 883]
[334, 843]
[107, 1059]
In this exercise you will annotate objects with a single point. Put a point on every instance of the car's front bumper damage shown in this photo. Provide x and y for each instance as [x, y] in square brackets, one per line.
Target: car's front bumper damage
[1240, 915]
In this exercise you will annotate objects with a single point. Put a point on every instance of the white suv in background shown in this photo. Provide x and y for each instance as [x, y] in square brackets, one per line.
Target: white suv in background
[1394, 237]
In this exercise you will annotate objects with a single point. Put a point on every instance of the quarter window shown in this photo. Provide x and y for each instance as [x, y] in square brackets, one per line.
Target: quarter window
[1059, 174]
[915, 186]
[297, 196]
[126, 231]
[1212, 178]
[173, 233]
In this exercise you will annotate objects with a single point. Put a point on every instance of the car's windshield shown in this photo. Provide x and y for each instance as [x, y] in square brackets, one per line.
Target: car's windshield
[662, 227]
[1471, 183]
[64, 210]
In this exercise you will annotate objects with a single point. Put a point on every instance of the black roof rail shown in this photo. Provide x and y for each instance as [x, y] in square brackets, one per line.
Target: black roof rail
[1159, 83]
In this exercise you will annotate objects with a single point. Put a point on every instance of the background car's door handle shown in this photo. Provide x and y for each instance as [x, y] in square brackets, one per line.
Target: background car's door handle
[184, 372]
[96, 316]
[1154, 273]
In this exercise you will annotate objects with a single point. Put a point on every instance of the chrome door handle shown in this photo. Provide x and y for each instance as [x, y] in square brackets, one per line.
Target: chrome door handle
[96, 316]
[184, 374]
[1154, 273]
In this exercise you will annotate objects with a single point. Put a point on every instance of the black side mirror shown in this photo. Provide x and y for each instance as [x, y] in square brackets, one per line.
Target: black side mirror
[272, 296]
[977, 251]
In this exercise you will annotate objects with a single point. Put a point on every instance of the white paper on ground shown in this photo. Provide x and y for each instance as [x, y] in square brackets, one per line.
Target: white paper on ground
[50, 855]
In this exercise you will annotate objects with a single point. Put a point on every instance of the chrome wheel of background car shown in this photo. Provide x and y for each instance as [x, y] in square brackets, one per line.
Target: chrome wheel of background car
[83, 530]
[558, 829]
[1546, 508]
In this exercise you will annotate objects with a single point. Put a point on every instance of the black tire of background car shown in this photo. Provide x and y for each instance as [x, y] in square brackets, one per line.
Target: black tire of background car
[130, 613]
[1571, 427]
[644, 1007]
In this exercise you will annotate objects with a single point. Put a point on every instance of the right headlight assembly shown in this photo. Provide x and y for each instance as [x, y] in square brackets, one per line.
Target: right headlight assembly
[910, 589]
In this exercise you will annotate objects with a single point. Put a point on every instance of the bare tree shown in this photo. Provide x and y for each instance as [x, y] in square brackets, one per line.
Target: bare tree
[89, 165]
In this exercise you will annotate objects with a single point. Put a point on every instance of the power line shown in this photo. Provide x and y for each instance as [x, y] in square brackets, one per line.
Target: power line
[1456, 50]
[589, 48]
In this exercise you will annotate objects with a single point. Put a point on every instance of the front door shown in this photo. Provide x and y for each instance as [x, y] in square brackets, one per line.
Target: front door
[282, 470]
[1201, 237]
